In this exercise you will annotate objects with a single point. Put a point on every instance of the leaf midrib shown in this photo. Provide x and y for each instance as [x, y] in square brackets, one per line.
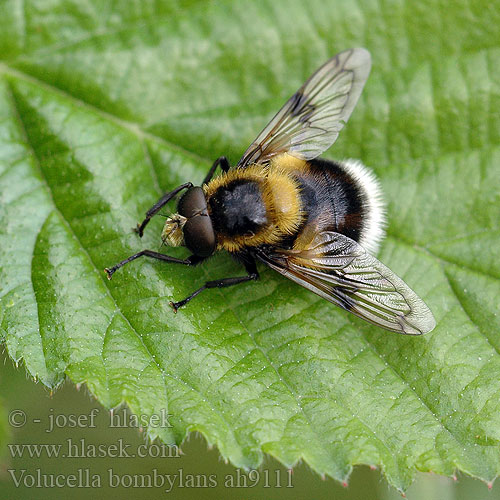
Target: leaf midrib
[144, 134]
[127, 125]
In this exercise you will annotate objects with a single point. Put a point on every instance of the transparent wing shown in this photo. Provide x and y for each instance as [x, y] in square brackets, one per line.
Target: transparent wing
[310, 121]
[341, 271]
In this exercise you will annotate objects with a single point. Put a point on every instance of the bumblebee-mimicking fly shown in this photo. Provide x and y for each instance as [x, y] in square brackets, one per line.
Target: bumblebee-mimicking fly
[314, 221]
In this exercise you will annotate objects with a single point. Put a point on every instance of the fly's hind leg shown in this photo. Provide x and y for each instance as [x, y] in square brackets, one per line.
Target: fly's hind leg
[251, 268]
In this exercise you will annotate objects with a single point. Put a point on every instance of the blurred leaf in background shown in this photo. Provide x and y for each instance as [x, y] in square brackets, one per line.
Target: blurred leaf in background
[4, 431]
[105, 105]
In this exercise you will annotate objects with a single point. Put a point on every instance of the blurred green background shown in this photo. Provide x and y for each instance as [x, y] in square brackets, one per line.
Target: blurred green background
[20, 393]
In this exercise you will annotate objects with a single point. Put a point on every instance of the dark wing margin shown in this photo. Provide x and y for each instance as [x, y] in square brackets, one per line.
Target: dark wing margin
[342, 272]
[310, 121]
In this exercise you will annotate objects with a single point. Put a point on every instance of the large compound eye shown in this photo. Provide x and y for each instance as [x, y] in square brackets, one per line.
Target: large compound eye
[199, 236]
[192, 203]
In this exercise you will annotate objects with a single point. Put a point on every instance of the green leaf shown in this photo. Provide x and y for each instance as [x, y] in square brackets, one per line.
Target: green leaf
[105, 105]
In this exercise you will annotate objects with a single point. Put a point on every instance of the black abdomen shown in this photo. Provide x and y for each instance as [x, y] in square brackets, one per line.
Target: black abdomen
[331, 198]
[238, 208]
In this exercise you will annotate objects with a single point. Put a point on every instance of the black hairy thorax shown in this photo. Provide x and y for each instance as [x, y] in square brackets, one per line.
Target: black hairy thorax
[238, 208]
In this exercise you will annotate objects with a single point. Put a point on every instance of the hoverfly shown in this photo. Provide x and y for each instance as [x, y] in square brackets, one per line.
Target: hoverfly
[315, 221]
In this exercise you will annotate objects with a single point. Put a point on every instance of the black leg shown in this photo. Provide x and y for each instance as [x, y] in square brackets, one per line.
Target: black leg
[190, 261]
[250, 267]
[224, 164]
[158, 206]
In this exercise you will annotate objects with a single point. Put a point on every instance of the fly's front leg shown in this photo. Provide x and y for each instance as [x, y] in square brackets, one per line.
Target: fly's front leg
[190, 261]
[158, 206]
[224, 165]
[250, 267]
[221, 161]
